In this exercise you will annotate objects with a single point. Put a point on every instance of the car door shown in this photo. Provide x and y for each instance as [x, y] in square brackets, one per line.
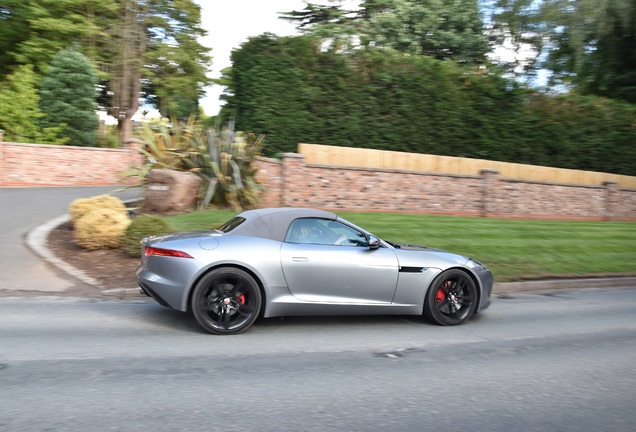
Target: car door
[321, 267]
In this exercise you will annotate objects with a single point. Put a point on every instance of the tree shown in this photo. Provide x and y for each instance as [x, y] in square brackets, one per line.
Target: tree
[179, 61]
[13, 31]
[293, 91]
[586, 44]
[442, 29]
[19, 111]
[155, 49]
[37, 30]
[68, 95]
[268, 84]
[141, 49]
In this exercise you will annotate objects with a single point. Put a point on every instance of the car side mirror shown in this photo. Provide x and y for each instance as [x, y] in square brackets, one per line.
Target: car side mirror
[373, 242]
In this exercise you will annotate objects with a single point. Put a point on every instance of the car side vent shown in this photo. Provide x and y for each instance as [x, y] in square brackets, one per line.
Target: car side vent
[412, 269]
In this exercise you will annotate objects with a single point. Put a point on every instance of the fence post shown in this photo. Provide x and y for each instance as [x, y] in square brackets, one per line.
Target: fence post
[489, 191]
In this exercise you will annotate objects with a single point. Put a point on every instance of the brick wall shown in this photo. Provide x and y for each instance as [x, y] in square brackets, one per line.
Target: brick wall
[61, 165]
[293, 182]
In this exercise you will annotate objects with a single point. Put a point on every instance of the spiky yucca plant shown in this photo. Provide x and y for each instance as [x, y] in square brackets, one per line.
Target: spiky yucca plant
[222, 158]
[163, 146]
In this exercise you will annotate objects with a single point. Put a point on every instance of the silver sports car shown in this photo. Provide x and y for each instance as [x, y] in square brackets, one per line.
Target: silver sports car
[292, 261]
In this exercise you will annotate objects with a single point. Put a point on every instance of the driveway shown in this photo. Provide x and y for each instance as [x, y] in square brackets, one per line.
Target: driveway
[23, 209]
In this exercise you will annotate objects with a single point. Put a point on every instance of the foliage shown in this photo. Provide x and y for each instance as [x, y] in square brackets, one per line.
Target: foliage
[162, 145]
[292, 91]
[141, 49]
[142, 226]
[33, 32]
[178, 73]
[67, 95]
[275, 86]
[587, 44]
[12, 32]
[100, 229]
[108, 136]
[154, 51]
[442, 29]
[82, 206]
[20, 114]
[222, 159]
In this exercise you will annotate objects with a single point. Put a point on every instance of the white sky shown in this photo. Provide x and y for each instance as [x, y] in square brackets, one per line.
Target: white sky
[229, 23]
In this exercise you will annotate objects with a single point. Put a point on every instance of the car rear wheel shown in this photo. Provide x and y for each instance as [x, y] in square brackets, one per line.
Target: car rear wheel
[451, 298]
[226, 301]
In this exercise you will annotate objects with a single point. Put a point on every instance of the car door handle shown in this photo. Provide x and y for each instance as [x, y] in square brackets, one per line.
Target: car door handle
[300, 259]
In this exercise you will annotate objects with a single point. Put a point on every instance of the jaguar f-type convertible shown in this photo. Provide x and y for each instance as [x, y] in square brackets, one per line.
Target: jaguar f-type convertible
[293, 261]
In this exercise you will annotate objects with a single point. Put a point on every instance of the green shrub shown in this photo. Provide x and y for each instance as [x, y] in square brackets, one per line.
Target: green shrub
[142, 226]
[101, 229]
[83, 206]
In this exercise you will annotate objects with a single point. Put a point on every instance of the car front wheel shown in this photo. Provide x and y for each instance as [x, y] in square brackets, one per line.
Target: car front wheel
[451, 298]
[226, 301]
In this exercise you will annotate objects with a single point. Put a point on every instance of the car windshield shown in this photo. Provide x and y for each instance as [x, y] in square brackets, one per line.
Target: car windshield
[231, 224]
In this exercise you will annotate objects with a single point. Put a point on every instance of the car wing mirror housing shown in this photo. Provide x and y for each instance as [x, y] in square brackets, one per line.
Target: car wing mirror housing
[373, 242]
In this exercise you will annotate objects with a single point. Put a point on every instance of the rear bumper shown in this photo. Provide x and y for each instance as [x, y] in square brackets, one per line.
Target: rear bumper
[166, 292]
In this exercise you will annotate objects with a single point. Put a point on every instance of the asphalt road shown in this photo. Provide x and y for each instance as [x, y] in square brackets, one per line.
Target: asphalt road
[550, 361]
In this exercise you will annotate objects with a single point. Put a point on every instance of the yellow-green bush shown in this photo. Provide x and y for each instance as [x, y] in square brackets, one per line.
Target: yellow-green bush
[143, 226]
[82, 206]
[101, 229]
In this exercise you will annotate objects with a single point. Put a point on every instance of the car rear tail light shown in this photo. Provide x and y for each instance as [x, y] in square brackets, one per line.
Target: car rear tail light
[149, 250]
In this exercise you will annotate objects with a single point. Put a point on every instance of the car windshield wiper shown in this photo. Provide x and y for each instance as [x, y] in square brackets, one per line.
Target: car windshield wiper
[397, 246]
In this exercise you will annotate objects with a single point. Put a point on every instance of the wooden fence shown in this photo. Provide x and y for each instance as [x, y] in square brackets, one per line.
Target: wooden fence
[383, 159]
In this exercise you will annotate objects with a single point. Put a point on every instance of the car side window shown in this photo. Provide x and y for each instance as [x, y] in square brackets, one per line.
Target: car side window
[325, 232]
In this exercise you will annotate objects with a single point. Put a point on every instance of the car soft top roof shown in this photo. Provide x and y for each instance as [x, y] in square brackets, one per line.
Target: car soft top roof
[272, 223]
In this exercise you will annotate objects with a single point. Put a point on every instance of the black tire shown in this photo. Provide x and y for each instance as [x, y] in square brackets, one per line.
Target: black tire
[226, 301]
[451, 299]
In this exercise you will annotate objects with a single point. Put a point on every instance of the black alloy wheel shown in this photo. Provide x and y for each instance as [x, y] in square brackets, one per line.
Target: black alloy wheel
[226, 301]
[451, 298]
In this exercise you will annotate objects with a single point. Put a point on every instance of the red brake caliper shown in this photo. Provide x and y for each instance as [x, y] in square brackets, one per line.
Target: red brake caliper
[440, 295]
[241, 299]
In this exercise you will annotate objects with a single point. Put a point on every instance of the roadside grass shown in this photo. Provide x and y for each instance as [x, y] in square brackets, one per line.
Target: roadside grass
[512, 249]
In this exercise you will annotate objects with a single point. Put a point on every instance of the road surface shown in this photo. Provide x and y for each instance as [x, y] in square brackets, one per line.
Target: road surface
[547, 361]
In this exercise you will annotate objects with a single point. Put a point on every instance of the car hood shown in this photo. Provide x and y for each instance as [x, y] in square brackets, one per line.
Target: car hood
[423, 256]
[417, 248]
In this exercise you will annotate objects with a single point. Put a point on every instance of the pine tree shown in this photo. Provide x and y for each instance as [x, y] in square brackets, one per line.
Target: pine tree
[68, 95]
[19, 111]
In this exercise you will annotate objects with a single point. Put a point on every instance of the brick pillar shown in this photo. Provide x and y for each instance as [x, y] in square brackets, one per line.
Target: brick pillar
[134, 146]
[611, 200]
[489, 191]
[292, 182]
